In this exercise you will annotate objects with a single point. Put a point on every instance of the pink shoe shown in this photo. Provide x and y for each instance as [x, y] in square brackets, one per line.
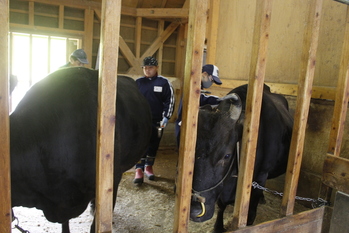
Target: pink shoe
[148, 171]
[138, 176]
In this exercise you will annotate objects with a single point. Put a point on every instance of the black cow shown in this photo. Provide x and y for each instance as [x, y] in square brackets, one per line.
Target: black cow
[53, 141]
[216, 160]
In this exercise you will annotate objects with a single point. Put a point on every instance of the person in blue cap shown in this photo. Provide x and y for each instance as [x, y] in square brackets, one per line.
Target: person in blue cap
[160, 95]
[77, 58]
[210, 75]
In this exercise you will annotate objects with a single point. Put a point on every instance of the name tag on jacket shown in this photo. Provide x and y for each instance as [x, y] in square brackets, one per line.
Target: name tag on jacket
[157, 89]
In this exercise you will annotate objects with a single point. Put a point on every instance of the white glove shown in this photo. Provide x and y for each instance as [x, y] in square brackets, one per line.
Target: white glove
[163, 122]
[180, 123]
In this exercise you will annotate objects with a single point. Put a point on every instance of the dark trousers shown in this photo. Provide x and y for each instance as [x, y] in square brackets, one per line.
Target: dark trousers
[148, 158]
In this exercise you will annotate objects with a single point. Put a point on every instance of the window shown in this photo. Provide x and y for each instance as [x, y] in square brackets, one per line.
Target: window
[33, 57]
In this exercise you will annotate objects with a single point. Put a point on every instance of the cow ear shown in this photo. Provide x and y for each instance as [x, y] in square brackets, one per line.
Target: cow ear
[232, 104]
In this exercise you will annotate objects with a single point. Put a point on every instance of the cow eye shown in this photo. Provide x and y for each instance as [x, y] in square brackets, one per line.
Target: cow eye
[227, 156]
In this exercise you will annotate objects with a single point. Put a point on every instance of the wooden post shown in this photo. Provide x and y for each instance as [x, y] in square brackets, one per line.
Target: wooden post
[253, 109]
[213, 25]
[342, 96]
[5, 182]
[192, 82]
[88, 36]
[340, 107]
[305, 81]
[109, 48]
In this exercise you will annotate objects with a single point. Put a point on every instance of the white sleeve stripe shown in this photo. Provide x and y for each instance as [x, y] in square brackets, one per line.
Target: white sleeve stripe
[172, 101]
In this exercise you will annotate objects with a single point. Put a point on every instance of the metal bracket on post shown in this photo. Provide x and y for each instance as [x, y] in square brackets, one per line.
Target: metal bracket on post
[343, 1]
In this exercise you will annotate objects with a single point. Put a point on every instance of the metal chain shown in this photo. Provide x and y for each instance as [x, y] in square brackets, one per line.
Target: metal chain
[315, 202]
[18, 227]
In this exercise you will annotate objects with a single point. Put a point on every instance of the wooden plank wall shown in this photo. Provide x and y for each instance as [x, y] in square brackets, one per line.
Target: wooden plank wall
[233, 49]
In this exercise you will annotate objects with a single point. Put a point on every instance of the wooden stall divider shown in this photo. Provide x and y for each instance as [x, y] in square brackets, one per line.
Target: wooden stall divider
[213, 24]
[253, 109]
[107, 83]
[5, 181]
[338, 119]
[192, 82]
[306, 78]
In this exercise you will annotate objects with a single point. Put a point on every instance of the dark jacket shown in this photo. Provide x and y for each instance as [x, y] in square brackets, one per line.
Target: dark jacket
[204, 99]
[160, 95]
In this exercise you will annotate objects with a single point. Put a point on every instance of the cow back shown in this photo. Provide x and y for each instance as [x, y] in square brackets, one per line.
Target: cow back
[53, 140]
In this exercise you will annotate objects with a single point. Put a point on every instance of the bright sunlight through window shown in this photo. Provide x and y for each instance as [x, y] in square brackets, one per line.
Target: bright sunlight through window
[33, 57]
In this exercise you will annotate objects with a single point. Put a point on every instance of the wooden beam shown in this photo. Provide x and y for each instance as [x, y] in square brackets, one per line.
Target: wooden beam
[130, 11]
[31, 13]
[109, 49]
[180, 52]
[138, 36]
[336, 173]
[60, 17]
[192, 80]
[342, 97]
[161, 26]
[213, 25]
[98, 14]
[252, 112]
[88, 38]
[318, 92]
[163, 13]
[5, 182]
[307, 221]
[163, 3]
[45, 30]
[306, 78]
[82, 4]
[160, 40]
[127, 53]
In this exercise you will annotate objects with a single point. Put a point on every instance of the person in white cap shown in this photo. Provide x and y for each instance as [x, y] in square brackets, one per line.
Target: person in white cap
[210, 75]
[77, 58]
[159, 93]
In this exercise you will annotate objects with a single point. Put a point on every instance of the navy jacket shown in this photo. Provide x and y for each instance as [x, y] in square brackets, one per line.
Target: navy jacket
[160, 95]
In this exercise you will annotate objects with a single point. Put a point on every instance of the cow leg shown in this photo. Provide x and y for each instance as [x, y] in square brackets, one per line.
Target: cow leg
[65, 227]
[219, 226]
[116, 184]
[257, 196]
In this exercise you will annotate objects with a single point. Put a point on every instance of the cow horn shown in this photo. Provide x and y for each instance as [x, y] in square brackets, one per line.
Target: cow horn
[230, 96]
[203, 210]
[235, 107]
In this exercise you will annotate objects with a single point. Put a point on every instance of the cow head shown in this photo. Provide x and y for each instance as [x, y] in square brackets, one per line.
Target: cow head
[219, 130]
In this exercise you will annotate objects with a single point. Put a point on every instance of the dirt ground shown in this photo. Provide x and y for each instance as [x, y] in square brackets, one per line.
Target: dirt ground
[147, 208]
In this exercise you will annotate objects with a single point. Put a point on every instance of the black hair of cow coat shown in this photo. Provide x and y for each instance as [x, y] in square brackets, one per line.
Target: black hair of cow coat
[53, 141]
